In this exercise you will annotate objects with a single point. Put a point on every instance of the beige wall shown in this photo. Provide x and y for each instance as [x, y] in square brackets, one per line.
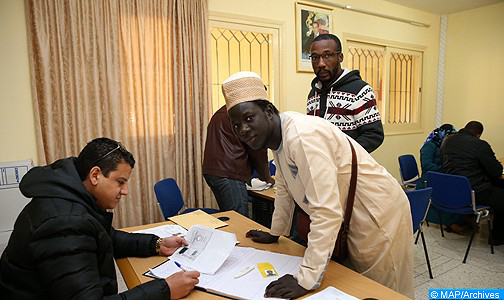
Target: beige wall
[17, 132]
[483, 52]
[474, 71]
[295, 86]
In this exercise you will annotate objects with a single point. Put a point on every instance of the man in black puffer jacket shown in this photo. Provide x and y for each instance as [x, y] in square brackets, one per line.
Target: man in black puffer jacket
[467, 155]
[63, 244]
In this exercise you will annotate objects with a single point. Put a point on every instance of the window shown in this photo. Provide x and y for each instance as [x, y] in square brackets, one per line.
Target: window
[239, 47]
[395, 75]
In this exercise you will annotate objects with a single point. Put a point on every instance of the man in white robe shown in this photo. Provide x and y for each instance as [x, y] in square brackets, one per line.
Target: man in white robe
[314, 160]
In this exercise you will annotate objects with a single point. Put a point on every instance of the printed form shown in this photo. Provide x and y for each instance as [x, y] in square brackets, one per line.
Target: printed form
[207, 250]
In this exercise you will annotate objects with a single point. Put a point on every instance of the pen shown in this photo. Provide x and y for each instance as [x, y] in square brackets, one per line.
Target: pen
[244, 271]
[178, 265]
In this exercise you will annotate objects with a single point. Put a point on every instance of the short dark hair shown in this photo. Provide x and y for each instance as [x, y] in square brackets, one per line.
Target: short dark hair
[264, 103]
[328, 36]
[104, 153]
[475, 127]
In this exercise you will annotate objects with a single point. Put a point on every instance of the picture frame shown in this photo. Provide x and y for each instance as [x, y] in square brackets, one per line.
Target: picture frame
[311, 20]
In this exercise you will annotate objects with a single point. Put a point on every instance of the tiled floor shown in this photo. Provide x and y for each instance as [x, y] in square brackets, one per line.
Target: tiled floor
[482, 270]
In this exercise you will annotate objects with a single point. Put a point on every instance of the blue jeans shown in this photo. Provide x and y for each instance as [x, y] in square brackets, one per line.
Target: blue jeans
[230, 194]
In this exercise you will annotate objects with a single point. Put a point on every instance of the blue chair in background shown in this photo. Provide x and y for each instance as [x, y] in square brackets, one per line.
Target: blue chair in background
[453, 193]
[272, 167]
[170, 199]
[419, 203]
[408, 169]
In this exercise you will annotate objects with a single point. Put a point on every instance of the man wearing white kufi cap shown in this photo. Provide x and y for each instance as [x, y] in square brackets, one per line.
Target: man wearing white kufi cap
[314, 162]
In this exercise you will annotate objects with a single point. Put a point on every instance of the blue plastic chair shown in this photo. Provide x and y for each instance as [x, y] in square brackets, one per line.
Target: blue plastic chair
[272, 167]
[453, 193]
[170, 199]
[420, 203]
[408, 169]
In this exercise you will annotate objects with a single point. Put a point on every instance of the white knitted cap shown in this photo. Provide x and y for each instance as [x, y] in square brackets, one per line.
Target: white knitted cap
[243, 87]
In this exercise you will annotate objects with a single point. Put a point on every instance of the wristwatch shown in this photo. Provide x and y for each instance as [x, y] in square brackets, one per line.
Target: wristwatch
[158, 246]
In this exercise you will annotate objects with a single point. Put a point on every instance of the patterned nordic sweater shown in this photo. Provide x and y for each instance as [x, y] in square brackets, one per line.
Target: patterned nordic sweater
[350, 104]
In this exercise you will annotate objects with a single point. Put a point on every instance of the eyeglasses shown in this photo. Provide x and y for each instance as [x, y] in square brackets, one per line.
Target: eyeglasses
[325, 56]
[108, 153]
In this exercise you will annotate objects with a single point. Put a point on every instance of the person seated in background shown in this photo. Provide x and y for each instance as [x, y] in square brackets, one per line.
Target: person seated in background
[430, 159]
[467, 155]
[63, 244]
[314, 162]
[228, 164]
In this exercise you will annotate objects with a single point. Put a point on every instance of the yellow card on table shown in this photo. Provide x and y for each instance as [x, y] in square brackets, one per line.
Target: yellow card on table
[197, 217]
[267, 270]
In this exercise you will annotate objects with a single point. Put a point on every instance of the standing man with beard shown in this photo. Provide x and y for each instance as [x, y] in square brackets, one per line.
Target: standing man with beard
[341, 96]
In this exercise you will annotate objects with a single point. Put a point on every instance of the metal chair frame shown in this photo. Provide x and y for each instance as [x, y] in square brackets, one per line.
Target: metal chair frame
[480, 212]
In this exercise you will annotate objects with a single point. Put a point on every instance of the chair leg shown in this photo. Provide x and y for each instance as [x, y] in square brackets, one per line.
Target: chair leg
[426, 254]
[440, 223]
[417, 236]
[490, 239]
[470, 242]
[427, 222]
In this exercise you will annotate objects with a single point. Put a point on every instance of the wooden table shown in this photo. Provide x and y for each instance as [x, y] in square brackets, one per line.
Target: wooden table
[336, 275]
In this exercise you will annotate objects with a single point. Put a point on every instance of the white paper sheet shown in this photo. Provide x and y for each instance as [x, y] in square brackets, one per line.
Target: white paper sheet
[164, 231]
[208, 249]
[258, 185]
[331, 293]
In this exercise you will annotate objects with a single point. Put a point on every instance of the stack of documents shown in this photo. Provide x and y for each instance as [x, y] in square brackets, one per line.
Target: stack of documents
[250, 285]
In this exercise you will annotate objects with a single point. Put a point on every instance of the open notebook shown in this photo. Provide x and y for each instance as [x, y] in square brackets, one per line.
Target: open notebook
[249, 286]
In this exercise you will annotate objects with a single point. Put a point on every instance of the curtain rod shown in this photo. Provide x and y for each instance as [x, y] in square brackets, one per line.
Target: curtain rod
[348, 7]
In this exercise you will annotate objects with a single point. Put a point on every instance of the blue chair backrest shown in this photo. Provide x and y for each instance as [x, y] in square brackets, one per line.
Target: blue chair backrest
[419, 203]
[169, 197]
[450, 191]
[272, 168]
[408, 166]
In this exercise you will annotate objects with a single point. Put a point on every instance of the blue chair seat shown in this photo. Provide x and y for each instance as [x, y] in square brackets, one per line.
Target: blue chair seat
[170, 199]
[419, 204]
[453, 193]
[408, 169]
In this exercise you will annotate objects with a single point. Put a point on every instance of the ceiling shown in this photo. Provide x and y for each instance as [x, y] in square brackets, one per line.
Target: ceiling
[444, 7]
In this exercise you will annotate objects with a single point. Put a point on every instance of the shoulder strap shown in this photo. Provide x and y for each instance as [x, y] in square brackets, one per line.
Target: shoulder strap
[351, 189]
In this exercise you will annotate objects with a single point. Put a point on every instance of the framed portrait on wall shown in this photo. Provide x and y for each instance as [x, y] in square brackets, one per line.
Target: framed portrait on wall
[310, 22]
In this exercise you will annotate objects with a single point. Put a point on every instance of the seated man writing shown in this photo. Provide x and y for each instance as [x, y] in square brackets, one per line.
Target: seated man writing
[314, 167]
[63, 244]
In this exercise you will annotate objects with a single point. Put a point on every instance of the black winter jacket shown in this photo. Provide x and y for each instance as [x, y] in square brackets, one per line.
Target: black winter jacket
[350, 104]
[63, 245]
[466, 155]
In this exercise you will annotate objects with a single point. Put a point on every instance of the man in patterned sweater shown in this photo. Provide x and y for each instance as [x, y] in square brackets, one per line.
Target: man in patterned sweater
[341, 96]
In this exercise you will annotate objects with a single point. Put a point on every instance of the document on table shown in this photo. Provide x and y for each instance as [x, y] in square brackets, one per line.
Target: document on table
[207, 250]
[164, 231]
[331, 293]
[252, 285]
[258, 185]
[197, 217]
